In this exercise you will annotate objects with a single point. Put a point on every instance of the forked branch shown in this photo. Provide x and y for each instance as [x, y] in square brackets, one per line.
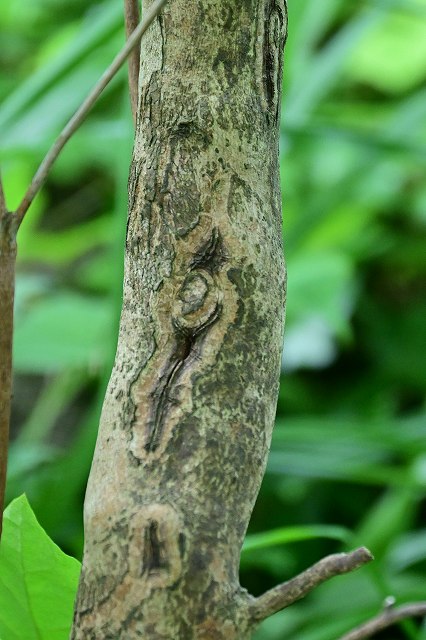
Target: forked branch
[11, 221]
[387, 618]
[285, 594]
[83, 110]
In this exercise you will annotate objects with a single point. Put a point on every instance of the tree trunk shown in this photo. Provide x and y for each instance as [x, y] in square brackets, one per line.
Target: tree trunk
[188, 415]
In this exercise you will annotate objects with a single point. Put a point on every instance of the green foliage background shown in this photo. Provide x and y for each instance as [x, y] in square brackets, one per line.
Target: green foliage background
[348, 460]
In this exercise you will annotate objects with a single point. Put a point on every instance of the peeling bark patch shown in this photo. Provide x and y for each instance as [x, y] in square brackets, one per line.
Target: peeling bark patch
[275, 31]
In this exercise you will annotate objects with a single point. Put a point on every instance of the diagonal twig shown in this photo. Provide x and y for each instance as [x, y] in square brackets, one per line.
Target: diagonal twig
[386, 619]
[83, 110]
[285, 594]
[132, 19]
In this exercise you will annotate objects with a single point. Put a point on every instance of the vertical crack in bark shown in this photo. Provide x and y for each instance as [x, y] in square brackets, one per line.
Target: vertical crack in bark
[161, 25]
[163, 395]
[211, 255]
[274, 39]
[198, 308]
[155, 557]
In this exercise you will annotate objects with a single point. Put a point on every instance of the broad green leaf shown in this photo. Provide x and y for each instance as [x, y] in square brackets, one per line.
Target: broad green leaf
[391, 514]
[58, 392]
[63, 331]
[320, 297]
[360, 451]
[374, 61]
[407, 550]
[68, 244]
[38, 582]
[24, 459]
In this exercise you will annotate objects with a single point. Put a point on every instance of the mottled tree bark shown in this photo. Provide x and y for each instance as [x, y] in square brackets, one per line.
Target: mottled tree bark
[189, 410]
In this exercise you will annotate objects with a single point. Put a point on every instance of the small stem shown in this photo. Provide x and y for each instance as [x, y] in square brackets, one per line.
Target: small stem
[83, 110]
[285, 594]
[386, 619]
[3, 205]
[132, 19]
[7, 292]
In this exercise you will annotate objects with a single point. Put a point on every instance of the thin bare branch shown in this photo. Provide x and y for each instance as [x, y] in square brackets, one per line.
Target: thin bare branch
[386, 619]
[7, 291]
[132, 18]
[285, 594]
[3, 205]
[84, 109]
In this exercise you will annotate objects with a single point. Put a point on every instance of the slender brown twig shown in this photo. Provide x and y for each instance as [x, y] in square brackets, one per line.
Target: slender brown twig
[285, 594]
[83, 110]
[3, 206]
[132, 18]
[7, 292]
[386, 619]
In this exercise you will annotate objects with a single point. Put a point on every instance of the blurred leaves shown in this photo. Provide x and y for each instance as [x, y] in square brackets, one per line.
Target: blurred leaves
[287, 535]
[375, 62]
[71, 332]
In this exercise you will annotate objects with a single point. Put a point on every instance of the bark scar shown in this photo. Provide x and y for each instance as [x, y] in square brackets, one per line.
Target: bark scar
[275, 33]
[198, 305]
[154, 559]
[211, 255]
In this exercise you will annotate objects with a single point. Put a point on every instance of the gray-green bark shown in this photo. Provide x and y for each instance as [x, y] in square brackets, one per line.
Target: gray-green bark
[188, 415]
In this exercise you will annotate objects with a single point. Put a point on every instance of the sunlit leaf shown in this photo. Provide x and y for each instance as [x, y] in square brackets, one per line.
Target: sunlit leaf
[38, 581]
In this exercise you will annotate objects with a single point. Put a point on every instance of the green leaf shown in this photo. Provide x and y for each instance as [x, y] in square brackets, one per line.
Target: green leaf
[389, 516]
[374, 61]
[38, 582]
[321, 295]
[407, 550]
[327, 66]
[288, 535]
[63, 331]
[359, 451]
